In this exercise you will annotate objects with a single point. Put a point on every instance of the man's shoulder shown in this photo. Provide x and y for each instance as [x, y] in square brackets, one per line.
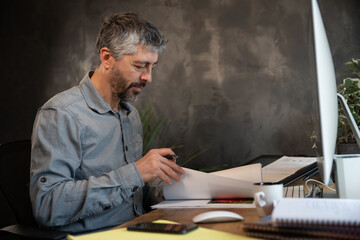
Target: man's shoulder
[65, 99]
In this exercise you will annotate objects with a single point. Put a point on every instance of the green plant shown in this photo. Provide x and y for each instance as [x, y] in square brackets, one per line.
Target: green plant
[151, 127]
[350, 89]
[313, 140]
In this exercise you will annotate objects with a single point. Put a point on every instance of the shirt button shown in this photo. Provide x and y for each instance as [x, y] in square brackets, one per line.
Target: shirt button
[126, 148]
[43, 179]
[135, 189]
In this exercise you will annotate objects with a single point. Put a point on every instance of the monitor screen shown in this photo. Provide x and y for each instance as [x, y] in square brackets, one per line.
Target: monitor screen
[327, 95]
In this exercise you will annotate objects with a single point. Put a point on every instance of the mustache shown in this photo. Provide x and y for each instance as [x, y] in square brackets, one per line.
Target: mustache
[137, 84]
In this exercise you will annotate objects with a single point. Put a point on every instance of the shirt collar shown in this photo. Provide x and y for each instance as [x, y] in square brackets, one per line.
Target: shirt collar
[127, 107]
[94, 99]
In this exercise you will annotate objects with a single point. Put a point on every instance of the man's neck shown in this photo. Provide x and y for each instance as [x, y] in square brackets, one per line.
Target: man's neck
[101, 82]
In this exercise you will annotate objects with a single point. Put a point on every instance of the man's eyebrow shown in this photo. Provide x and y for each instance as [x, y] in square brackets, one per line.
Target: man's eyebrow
[145, 62]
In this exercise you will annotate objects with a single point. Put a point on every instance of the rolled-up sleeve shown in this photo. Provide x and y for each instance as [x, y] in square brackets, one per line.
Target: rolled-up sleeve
[58, 195]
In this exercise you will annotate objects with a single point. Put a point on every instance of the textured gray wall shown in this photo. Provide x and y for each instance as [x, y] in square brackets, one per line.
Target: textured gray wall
[236, 76]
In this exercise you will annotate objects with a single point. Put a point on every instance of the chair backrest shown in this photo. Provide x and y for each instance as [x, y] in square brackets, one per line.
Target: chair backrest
[14, 179]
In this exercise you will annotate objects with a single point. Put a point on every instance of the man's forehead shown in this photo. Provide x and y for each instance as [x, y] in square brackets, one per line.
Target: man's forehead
[144, 55]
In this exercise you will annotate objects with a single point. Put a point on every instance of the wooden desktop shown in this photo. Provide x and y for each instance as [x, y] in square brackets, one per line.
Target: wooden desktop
[185, 216]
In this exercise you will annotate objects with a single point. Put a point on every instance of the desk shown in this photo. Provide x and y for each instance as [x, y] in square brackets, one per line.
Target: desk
[185, 216]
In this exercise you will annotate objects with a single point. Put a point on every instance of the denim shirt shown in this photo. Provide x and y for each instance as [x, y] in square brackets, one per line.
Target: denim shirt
[83, 171]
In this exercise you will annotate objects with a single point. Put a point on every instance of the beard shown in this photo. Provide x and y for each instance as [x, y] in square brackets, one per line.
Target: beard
[121, 89]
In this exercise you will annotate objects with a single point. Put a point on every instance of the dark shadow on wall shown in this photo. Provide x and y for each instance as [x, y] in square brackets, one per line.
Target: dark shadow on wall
[46, 51]
[28, 33]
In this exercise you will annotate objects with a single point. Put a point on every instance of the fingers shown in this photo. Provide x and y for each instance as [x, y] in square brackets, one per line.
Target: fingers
[173, 166]
[164, 177]
[160, 163]
[170, 169]
[163, 151]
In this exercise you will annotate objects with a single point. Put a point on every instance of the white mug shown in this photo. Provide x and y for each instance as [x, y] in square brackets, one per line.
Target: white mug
[266, 195]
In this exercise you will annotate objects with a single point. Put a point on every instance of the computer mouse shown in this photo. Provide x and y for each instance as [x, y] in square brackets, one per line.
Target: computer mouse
[217, 216]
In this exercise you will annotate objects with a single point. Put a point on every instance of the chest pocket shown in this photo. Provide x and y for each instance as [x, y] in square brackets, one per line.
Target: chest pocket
[137, 142]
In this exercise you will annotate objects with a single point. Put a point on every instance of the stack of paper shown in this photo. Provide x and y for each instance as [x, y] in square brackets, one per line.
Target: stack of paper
[196, 188]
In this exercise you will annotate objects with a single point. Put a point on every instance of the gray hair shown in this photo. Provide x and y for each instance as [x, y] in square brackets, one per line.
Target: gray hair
[122, 32]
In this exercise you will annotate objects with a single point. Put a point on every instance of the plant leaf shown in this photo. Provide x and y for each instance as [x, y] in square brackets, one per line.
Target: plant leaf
[153, 133]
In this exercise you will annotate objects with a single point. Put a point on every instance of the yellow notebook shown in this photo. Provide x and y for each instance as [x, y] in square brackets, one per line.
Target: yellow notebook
[123, 233]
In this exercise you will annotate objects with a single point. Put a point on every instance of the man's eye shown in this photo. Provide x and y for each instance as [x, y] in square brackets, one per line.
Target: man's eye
[139, 66]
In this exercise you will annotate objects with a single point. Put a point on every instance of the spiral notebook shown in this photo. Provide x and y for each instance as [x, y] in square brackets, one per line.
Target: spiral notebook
[309, 218]
[308, 212]
[266, 231]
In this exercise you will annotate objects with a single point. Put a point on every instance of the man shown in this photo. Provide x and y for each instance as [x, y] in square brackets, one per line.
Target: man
[87, 169]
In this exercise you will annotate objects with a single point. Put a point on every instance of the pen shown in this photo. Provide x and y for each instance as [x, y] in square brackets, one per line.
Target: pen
[172, 157]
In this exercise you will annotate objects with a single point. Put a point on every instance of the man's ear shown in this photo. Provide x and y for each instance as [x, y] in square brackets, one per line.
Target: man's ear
[106, 58]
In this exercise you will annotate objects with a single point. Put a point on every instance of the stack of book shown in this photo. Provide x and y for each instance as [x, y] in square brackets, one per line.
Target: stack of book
[309, 219]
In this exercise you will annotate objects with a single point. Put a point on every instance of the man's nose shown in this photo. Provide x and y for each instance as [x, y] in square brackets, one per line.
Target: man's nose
[146, 76]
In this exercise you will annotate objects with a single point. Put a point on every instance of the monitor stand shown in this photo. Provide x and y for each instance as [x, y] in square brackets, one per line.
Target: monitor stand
[347, 166]
[347, 175]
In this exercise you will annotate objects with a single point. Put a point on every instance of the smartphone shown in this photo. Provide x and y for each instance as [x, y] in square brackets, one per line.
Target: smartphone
[163, 227]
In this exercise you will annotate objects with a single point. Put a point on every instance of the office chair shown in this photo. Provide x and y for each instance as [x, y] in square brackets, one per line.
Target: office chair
[14, 188]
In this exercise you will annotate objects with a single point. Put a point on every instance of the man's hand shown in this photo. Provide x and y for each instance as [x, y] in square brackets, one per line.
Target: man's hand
[154, 164]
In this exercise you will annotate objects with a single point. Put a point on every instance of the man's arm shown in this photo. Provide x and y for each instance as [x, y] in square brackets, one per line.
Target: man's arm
[58, 198]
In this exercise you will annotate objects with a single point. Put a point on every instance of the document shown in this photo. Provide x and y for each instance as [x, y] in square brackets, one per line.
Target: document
[284, 167]
[202, 204]
[198, 189]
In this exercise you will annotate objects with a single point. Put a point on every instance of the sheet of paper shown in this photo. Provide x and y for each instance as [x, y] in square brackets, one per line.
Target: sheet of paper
[248, 173]
[122, 233]
[199, 185]
[284, 167]
[199, 204]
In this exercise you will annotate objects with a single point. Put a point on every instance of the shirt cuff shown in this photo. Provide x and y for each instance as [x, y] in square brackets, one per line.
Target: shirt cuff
[130, 178]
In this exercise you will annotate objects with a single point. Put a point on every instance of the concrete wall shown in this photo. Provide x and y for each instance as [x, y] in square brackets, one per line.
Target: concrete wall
[237, 74]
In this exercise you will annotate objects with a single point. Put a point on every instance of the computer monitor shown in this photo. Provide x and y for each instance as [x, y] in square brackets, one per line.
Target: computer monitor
[347, 167]
[327, 94]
